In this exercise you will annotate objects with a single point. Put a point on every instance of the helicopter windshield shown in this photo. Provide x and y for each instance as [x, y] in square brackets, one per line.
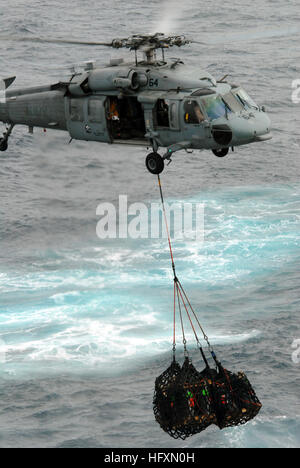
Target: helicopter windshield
[234, 103]
[215, 107]
[245, 99]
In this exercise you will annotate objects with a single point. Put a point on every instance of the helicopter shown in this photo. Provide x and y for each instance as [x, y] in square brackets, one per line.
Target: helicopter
[151, 102]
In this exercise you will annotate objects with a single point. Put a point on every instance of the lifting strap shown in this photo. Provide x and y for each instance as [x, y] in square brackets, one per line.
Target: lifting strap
[181, 298]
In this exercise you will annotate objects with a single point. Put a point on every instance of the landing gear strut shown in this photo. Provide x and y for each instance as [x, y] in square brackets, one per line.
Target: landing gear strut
[220, 153]
[155, 163]
[4, 139]
[3, 144]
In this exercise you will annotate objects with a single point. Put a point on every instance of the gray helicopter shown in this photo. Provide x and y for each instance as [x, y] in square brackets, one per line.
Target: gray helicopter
[152, 102]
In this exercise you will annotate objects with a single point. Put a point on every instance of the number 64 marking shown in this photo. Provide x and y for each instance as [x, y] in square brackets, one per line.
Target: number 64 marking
[153, 82]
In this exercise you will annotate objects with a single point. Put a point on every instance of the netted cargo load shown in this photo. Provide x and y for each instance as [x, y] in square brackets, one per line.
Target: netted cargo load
[186, 401]
[182, 401]
[235, 401]
[168, 402]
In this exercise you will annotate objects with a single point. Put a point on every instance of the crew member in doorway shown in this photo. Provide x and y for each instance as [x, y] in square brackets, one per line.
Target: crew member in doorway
[113, 110]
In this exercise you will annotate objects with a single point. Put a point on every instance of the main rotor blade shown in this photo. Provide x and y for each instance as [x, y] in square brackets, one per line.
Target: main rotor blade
[249, 36]
[41, 40]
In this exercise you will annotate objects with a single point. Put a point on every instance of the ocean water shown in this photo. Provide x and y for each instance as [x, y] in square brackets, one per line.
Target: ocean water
[85, 324]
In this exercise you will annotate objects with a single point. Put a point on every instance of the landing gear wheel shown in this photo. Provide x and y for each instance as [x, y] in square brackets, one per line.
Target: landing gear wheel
[155, 163]
[3, 144]
[220, 153]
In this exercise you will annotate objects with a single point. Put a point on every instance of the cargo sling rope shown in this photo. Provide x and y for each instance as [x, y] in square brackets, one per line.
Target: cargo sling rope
[186, 401]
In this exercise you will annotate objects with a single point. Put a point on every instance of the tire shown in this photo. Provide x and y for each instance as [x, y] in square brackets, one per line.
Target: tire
[155, 163]
[221, 153]
[3, 145]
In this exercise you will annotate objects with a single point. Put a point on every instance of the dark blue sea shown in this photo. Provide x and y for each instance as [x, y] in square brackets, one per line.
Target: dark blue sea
[86, 324]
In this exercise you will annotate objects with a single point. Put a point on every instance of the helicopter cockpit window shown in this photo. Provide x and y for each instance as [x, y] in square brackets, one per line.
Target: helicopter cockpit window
[216, 107]
[245, 99]
[234, 104]
[192, 113]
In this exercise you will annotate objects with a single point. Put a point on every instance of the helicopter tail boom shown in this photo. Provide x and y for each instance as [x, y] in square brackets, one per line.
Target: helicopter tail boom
[34, 107]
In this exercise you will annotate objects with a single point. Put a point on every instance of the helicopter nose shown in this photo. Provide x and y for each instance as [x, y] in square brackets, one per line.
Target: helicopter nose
[263, 127]
[255, 127]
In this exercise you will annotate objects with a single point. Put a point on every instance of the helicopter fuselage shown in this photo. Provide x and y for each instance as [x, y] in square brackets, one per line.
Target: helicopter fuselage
[155, 105]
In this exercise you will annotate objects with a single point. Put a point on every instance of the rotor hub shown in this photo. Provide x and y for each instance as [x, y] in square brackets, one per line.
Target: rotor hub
[150, 43]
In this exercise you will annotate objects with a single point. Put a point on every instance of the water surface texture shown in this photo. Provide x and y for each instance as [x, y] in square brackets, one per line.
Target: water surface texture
[87, 324]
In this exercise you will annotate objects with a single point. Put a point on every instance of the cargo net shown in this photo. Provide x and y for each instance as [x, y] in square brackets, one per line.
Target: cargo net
[187, 401]
[182, 403]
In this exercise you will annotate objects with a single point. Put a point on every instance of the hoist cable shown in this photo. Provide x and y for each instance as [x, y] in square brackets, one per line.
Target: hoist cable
[174, 320]
[181, 321]
[167, 227]
[182, 296]
[195, 315]
[189, 317]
